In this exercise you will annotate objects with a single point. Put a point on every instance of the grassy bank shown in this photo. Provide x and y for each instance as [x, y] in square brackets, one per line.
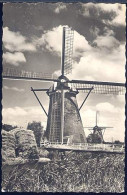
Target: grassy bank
[75, 172]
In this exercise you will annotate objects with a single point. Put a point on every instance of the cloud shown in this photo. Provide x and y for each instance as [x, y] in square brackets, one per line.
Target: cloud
[94, 31]
[101, 66]
[86, 12]
[107, 107]
[14, 41]
[107, 40]
[118, 9]
[121, 99]
[52, 41]
[60, 8]
[13, 88]
[115, 12]
[107, 7]
[108, 116]
[20, 116]
[12, 112]
[14, 58]
[80, 44]
[103, 60]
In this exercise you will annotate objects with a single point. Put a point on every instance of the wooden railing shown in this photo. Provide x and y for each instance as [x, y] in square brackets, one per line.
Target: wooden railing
[86, 146]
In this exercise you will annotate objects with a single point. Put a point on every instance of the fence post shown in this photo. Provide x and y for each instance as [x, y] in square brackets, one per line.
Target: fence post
[113, 147]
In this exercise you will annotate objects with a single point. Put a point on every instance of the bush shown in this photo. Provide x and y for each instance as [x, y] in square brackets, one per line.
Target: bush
[37, 130]
[7, 127]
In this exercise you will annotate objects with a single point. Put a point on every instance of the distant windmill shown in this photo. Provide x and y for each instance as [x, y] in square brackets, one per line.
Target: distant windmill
[97, 136]
[64, 122]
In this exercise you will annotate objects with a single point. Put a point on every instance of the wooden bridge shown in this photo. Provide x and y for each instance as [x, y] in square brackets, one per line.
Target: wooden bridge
[101, 148]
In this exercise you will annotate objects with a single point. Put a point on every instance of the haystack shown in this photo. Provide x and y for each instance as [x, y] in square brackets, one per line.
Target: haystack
[26, 146]
[8, 146]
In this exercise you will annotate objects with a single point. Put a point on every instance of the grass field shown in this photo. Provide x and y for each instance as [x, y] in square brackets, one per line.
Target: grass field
[72, 172]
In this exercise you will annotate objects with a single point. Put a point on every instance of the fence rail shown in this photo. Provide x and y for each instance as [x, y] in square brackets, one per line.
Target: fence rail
[86, 147]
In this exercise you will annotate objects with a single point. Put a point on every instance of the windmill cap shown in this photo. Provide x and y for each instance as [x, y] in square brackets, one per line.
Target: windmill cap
[63, 77]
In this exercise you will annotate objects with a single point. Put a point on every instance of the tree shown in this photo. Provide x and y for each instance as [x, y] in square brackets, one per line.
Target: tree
[7, 127]
[117, 142]
[93, 138]
[37, 130]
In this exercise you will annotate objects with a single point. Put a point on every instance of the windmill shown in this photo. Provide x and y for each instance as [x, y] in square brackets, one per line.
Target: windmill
[97, 135]
[64, 122]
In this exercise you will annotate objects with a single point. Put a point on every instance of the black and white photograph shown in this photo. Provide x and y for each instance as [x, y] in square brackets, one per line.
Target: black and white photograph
[63, 97]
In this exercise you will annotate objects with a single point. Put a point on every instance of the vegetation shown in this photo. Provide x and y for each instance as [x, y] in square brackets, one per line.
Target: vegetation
[93, 138]
[37, 130]
[117, 142]
[67, 172]
[7, 127]
[76, 172]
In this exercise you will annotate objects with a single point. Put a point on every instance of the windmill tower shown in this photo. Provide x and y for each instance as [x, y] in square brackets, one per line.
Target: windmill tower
[64, 122]
[97, 135]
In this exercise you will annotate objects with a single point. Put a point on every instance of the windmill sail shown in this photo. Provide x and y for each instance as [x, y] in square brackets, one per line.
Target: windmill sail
[99, 87]
[96, 118]
[16, 74]
[67, 50]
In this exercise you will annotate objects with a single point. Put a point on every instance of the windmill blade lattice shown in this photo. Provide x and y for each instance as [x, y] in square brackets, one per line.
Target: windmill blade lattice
[15, 73]
[68, 51]
[99, 87]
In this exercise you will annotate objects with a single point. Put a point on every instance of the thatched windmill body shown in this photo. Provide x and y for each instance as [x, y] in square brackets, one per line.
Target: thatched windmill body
[64, 122]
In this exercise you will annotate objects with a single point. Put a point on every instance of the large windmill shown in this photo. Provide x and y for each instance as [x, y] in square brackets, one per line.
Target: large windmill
[97, 135]
[64, 122]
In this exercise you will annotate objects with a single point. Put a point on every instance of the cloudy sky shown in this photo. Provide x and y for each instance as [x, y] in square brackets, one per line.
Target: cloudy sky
[32, 37]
